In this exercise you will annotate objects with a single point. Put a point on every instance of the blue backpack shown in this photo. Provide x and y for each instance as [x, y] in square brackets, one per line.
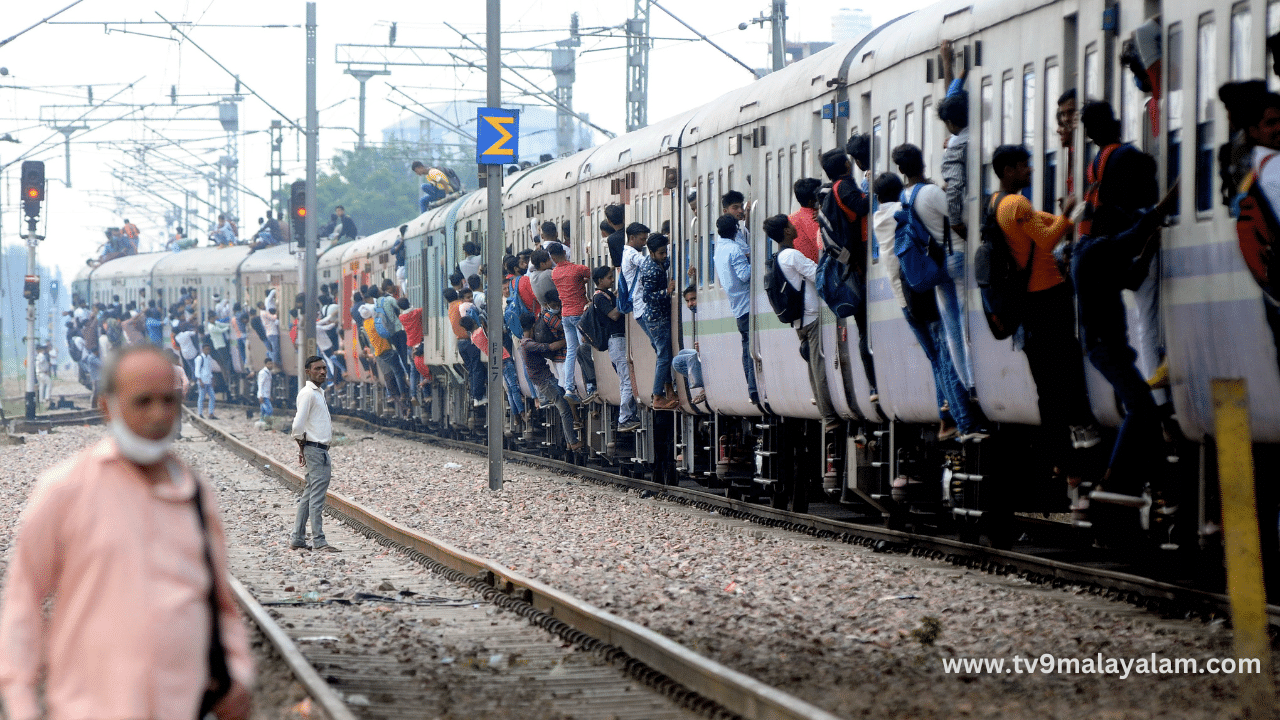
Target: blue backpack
[838, 286]
[919, 256]
[623, 301]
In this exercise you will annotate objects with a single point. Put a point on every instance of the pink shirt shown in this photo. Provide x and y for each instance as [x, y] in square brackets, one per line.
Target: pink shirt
[123, 559]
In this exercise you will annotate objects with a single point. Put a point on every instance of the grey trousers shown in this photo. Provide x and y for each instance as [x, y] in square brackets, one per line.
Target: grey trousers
[311, 502]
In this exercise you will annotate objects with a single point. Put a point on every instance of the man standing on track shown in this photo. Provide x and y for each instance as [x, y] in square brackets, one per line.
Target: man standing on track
[128, 539]
[312, 429]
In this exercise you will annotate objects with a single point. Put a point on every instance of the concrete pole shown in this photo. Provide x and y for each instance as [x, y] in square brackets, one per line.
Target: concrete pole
[493, 258]
[307, 324]
[362, 77]
[779, 34]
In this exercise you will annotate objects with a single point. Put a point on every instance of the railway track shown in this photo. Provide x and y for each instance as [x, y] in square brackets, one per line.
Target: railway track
[1057, 560]
[389, 683]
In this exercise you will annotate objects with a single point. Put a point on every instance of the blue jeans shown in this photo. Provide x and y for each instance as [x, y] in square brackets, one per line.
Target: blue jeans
[575, 353]
[266, 408]
[206, 391]
[475, 367]
[273, 348]
[951, 302]
[552, 394]
[240, 353]
[618, 356]
[393, 374]
[686, 363]
[748, 365]
[660, 338]
[514, 397]
[925, 321]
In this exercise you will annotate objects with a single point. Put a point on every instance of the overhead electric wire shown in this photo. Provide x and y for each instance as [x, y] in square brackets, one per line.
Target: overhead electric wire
[20, 33]
[708, 40]
[73, 122]
[442, 119]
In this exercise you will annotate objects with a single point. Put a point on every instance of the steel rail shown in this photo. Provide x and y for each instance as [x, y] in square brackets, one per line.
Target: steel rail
[733, 690]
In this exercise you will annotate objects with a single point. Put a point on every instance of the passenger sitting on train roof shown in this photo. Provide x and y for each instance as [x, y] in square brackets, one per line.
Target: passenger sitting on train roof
[733, 270]
[850, 207]
[538, 353]
[341, 227]
[613, 324]
[1048, 332]
[921, 312]
[801, 273]
[686, 362]
[540, 279]
[614, 215]
[471, 262]
[930, 207]
[656, 289]
[224, 235]
[805, 220]
[570, 280]
[954, 113]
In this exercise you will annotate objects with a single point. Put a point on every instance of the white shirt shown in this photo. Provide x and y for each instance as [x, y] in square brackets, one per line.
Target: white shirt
[264, 384]
[312, 419]
[931, 206]
[801, 272]
[81, 314]
[469, 266]
[322, 335]
[42, 363]
[204, 369]
[631, 259]
[270, 302]
[187, 343]
[886, 225]
[270, 323]
[1269, 178]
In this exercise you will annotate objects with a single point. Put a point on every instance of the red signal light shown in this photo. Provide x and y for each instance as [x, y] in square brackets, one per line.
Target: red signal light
[33, 193]
[302, 212]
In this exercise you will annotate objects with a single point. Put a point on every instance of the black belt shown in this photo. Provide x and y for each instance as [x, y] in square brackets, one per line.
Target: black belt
[322, 446]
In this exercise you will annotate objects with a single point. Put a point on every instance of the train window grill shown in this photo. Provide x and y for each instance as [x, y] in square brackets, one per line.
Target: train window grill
[1173, 84]
[987, 131]
[1006, 108]
[384, 258]
[1206, 103]
[1241, 41]
[909, 126]
[1029, 108]
[928, 125]
[877, 146]
[735, 144]
[892, 137]
[1092, 77]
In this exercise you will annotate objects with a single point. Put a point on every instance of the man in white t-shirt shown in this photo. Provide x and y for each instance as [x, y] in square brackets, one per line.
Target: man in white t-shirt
[632, 257]
[186, 339]
[801, 273]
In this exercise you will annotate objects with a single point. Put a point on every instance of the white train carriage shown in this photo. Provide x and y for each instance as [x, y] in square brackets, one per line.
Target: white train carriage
[210, 271]
[128, 278]
[81, 285]
[275, 268]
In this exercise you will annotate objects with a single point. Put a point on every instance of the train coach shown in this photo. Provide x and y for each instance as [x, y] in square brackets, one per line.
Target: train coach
[759, 140]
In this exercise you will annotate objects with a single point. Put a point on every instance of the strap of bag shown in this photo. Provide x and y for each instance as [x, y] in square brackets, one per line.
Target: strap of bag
[219, 672]
[848, 214]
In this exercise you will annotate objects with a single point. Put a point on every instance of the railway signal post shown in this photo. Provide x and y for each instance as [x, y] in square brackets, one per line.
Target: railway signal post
[33, 187]
[497, 138]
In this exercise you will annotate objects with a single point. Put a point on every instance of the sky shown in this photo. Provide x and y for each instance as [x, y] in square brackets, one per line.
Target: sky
[57, 63]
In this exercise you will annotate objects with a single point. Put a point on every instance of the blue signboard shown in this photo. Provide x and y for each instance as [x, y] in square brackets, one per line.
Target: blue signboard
[497, 136]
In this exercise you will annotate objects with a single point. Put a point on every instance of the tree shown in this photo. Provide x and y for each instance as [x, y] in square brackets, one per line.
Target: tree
[371, 185]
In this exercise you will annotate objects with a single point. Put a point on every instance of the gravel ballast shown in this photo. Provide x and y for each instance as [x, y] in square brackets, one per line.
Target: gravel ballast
[856, 632]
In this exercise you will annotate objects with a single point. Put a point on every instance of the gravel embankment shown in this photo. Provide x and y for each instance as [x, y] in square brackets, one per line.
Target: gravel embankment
[838, 625]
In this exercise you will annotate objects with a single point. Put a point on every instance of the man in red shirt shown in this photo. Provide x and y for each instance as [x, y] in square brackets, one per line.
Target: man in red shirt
[412, 322]
[571, 282]
[805, 220]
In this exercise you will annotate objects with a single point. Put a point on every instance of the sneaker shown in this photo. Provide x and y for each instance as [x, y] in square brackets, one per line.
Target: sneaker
[665, 403]
[946, 430]
[699, 397]
[1160, 380]
[978, 433]
[1084, 437]
[328, 549]
[591, 396]
[629, 426]
[295, 546]
[576, 446]
[480, 402]
[212, 416]
[573, 398]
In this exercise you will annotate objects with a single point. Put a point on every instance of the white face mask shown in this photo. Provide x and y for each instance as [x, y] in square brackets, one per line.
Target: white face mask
[133, 446]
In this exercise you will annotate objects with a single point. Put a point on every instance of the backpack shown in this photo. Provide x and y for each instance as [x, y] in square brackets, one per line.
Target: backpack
[1002, 283]
[1257, 228]
[838, 284]
[623, 299]
[919, 255]
[787, 302]
[591, 325]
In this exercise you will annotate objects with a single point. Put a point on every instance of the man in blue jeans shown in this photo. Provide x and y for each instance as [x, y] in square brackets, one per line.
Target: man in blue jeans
[652, 278]
[204, 378]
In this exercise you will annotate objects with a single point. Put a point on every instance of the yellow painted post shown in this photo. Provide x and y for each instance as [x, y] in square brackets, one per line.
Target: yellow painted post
[1243, 546]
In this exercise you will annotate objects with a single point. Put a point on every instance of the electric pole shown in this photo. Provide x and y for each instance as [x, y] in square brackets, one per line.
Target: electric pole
[638, 67]
[563, 65]
[309, 244]
[779, 19]
[493, 253]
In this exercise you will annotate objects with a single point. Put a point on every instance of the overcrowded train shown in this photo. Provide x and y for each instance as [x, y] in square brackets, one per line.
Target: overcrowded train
[1199, 315]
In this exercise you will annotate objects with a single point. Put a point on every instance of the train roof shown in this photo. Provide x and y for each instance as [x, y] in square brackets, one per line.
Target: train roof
[434, 218]
[638, 146]
[370, 244]
[202, 261]
[276, 259]
[543, 178]
[474, 203]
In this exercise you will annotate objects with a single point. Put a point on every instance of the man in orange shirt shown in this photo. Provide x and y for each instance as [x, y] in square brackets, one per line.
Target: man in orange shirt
[127, 540]
[805, 220]
[1048, 334]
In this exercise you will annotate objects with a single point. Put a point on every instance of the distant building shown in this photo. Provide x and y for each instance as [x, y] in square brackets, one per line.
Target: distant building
[850, 25]
[443, 144]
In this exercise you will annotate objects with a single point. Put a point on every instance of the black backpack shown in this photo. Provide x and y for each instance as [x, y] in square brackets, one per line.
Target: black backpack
[591, 325]
[1002, 283]
[787, 302]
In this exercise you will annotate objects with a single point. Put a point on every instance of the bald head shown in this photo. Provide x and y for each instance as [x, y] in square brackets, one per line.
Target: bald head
[138, 384]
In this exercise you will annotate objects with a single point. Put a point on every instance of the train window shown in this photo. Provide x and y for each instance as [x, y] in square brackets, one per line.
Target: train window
[1206, 101]
[987, 134]
[1273, 27]
[909, 126]
[1029, 108]
[1131, 112]
[712, 205]
[730, 185]
[770, 202]
[783, 188]
[1007, 128]
[1052, 90]
[877, 147]
[1241, 41]
[893, 139]
[1173, 83]
[1092, 77]
[806, 161]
